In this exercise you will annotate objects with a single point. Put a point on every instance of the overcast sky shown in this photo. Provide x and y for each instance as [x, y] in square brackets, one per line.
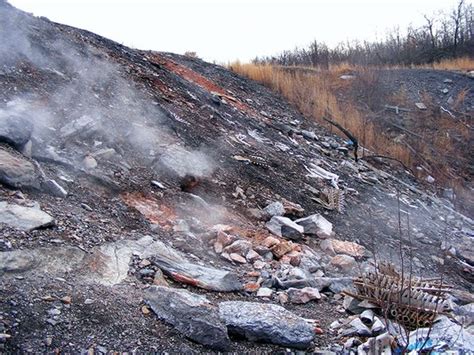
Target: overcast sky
[226, 30]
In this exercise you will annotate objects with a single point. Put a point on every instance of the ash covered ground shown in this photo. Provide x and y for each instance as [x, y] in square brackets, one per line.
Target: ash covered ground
[129, 176]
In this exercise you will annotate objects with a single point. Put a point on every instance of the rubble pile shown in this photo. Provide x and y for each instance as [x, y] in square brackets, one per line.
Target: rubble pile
[155, 202]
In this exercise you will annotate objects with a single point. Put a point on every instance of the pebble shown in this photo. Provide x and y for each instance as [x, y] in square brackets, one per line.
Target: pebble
[88, 301]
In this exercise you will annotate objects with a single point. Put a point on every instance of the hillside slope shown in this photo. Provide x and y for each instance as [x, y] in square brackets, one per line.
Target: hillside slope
[119, 165]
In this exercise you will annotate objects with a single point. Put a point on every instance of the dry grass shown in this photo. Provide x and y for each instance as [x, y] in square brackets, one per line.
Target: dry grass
[313, 93]
[463, 64]
[319, 93]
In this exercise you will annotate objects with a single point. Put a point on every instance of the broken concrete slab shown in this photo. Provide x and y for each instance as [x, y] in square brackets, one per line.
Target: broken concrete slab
[24, 218]
[285, 228]
[267, 323]
[316, 225]
[192, 315]
[16, 171]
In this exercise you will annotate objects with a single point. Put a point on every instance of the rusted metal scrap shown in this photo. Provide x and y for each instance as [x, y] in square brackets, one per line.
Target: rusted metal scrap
[411, 301]
[331, 199]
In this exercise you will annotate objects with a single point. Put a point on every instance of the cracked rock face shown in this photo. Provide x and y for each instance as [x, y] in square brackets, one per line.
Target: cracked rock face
[267, 323]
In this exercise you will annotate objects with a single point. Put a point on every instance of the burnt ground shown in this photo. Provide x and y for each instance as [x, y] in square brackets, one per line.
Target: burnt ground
[166, 115]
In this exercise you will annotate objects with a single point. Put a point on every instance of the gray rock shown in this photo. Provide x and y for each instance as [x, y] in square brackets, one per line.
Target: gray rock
[24, 218]
[334, 284]
[275, 209]
[304, 295]
[378, 327]
[356, 327]
[285, 228]
[266, 322]
[309, 135]
[83, 125]
[181, 270]
[15, 130]
[316, 225]
[191, 314]
[16, 171]
[264, 292]
[53, 188]
[240, 246]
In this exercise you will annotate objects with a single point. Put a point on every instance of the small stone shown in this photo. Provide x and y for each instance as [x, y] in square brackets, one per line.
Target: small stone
[282, 248]
[285, 227]
[283, 297]
[145, 310]
[54, 312]
[89, 162]
[48, 341]
[264, 292]
[51, 321]
[420, 106]
[274, 209]
[48, 298]
[270, 241]
[295, 260]
[304, 295]
[238, 258]
[144, 263]
[88, 301]
[87, 207]
[343, 262]
[317, 225]
[251, 287]
[318, 331]
[158, 184]
[159, 279]
[53, 188]
[66, 300]
[258, 265]
[252, 256]
[240, 246]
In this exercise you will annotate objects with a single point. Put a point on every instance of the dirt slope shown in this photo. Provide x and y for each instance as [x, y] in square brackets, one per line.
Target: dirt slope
[107, 121]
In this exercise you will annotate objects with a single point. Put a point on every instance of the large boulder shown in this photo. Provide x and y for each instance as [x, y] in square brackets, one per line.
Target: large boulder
[24, 218]
[191, 314]
[182, 270]
[15, 130]
[285, 228]
[16, 171]
[316, 225]
[267, 323]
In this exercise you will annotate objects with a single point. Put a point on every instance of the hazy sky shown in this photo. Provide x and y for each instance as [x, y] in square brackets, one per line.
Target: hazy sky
[228, 29]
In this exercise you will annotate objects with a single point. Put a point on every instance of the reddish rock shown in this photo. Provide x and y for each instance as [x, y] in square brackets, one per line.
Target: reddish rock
[270, 242]
[281, 249]
[251, 287]
[343, 262]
